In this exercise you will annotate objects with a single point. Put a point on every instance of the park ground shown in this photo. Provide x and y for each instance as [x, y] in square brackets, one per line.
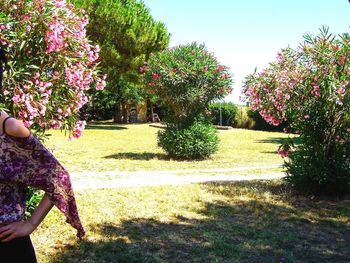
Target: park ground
[226, 221]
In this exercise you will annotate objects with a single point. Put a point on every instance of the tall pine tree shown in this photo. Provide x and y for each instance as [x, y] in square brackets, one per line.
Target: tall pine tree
[127, 34]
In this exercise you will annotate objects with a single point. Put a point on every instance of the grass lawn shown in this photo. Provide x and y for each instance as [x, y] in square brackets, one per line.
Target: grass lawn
[215, 222]
[134, 148]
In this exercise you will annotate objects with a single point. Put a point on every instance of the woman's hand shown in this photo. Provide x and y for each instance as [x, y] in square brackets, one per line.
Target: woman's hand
[25, 228]
[16, 229]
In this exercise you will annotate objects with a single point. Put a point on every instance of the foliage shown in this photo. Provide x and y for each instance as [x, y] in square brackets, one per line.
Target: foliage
[102, 104]
[51, 64]
[100, 107]
[310, 172]
[261, 124]
[243, 120]
[309, 88]
[127, 34]
[228, 113]
[187, 78]
[33, 198]
[197, 141]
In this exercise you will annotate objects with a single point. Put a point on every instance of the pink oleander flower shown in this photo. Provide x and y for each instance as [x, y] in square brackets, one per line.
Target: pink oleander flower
[341, 90]
[316, 91]
[283, 153]
[78, 129]
[155, 76]
[220, 68]
[142, 69]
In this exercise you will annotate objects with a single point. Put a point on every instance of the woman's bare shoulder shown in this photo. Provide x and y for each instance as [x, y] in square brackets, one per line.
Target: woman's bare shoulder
[16, 128]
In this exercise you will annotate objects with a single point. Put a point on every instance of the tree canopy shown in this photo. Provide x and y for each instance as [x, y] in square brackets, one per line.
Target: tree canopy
[127, 34]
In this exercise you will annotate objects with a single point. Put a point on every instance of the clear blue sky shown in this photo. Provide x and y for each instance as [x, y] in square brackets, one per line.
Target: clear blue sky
[244, 34]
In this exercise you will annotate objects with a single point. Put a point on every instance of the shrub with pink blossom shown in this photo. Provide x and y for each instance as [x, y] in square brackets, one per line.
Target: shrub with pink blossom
[309, 88]
[186, 79]
[50, 63]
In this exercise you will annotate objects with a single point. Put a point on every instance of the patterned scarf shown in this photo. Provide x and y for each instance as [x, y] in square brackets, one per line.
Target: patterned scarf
[27, 161]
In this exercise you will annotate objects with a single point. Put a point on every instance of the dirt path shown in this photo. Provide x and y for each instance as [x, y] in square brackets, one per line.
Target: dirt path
[118, 179]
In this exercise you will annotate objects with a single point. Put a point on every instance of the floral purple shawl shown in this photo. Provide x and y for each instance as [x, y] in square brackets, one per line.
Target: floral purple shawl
[26, 161]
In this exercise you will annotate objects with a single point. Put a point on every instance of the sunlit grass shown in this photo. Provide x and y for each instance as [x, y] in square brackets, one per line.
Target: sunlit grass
[134, 148]
[255, 221]
[216, 222]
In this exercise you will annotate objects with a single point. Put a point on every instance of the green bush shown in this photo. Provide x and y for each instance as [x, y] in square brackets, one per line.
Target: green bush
[228, 112]
[261, 124]
[197, 141]
[310, 171]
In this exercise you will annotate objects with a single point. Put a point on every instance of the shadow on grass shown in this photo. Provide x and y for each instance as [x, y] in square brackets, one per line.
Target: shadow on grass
[149, 156]
[271, 140]
[104, 127]
[278, 140]
[258, 230]
[270, 152]
[138, 156]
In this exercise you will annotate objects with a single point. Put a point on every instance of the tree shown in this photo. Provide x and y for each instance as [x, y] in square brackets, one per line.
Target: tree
[127, 34]
[186, 79]
[50, 64]
[309, 88]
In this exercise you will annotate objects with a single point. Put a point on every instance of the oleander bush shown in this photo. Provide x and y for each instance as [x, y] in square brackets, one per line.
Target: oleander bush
[50, 64]
[186, 79]
[308, 88]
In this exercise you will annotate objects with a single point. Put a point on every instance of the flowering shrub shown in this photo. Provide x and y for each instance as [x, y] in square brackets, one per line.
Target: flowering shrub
[186, 79]
[51, 63]
[309, 88]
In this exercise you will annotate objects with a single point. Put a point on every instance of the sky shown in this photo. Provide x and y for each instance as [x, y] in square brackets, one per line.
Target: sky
[247, 34]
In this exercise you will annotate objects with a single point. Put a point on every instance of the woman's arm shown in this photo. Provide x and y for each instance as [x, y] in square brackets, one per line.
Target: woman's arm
[25, 228]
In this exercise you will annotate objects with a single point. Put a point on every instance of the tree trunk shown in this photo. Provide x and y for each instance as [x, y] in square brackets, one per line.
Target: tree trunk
[152, 113]
[117, 113]
[125, 113]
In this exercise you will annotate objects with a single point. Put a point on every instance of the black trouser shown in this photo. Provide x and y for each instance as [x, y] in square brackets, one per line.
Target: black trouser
[17, 250]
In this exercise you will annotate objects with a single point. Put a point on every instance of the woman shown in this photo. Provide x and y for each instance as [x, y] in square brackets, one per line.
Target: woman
[24, 161]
